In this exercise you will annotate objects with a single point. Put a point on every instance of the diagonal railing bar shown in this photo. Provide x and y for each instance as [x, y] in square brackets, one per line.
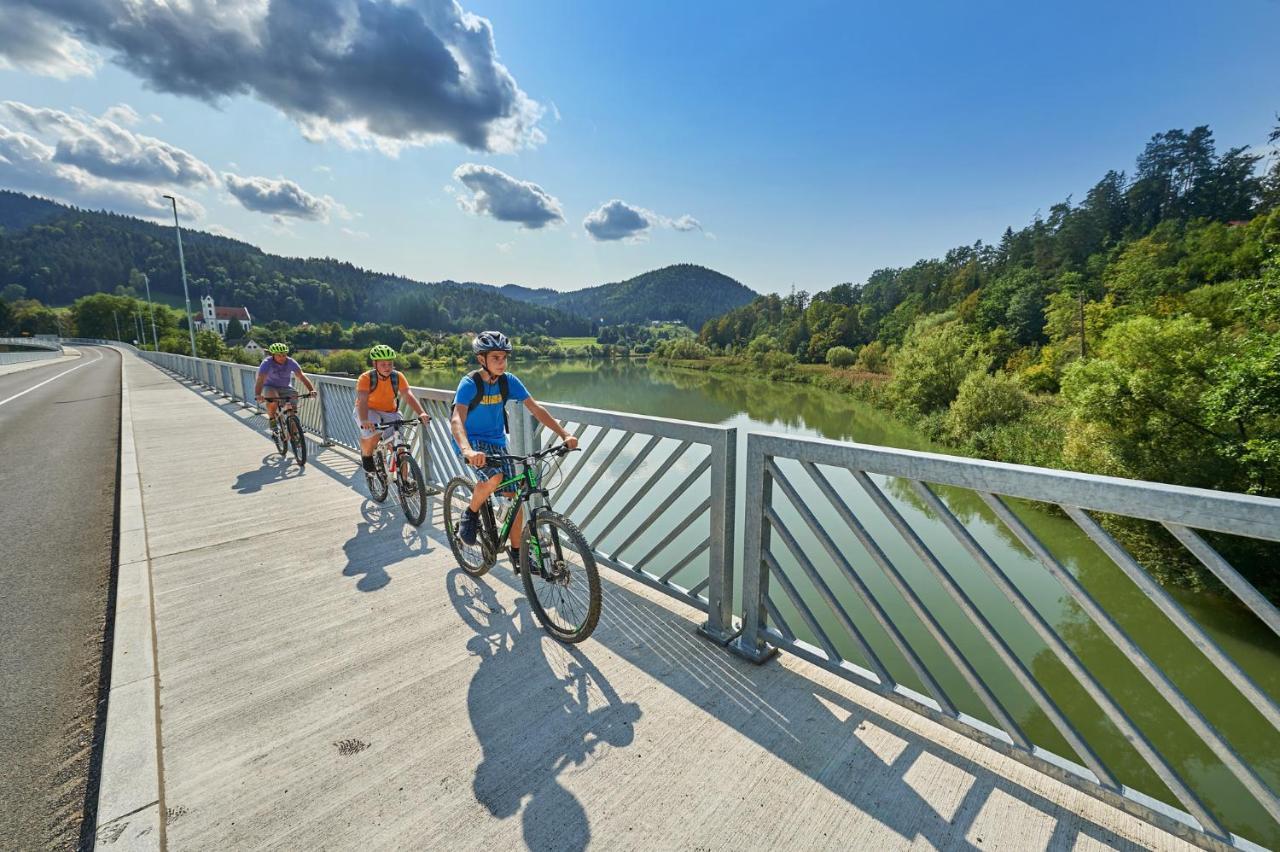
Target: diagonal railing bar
[776, 619]
[675, 495]
[806, 615]
[697, 589]
[824, 591]
[582, 464]
[623, 477]
[1229, 576]
[446, 455]
[1135, 572]
[1108, 626]
[694, 515]
[864, 591]
[1064, 654]
[601, 470]
[931, 624]
[644, 489]
[540, 432]
[693, 554]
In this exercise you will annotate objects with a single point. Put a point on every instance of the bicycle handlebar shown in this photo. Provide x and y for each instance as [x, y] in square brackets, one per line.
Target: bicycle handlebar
[558, 449]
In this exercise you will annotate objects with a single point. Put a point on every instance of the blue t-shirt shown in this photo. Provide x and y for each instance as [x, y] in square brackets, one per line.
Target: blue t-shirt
[484, 423]
[278, 375]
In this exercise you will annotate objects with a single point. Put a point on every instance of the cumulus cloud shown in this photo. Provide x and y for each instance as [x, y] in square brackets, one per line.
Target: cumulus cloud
[103, 148]
[281, 198]
[505, 198]
[32, 40]
[29, 165]
[618, 220]
[122, 114]
[365, 72]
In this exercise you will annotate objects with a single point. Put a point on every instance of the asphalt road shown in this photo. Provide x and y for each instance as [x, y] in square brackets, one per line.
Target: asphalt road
[59, 443]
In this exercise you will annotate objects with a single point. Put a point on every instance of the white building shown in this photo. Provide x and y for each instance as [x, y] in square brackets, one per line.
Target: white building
[213, 318]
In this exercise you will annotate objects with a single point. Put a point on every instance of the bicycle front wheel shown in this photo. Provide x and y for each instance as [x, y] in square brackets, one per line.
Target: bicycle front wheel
[564, 592]
[297, 440]
[411, 489]
[476, 559]
[377, 478]
[278, 435]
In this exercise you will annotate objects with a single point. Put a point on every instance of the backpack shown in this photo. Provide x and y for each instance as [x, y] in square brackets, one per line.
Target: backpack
[395, 384]
[503, 388]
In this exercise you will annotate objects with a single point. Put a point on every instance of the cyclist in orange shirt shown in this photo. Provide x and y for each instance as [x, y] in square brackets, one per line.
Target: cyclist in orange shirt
[378, 400]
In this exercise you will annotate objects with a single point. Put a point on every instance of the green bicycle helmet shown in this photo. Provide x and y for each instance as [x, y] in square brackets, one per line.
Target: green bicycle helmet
[382, 352]
[278, 349]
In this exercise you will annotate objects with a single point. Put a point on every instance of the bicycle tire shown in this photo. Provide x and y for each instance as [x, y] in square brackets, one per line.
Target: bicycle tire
[476, 559]
[411, 489]
[377, 479]
[557, 595]
[297, 439]
[278, 436]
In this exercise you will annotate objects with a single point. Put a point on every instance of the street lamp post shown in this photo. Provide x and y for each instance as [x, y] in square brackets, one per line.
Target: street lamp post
[191, 329]
[155, 344]
[115, 315]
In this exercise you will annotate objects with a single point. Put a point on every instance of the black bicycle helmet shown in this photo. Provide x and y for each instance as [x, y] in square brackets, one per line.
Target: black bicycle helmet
[490, 341]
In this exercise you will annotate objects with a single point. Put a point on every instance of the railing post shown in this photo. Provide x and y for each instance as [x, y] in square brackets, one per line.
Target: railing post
[324, 414]
[724, 473]
[755, 577]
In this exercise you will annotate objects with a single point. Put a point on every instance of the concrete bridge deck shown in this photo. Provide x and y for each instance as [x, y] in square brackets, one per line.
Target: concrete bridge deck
[328, 679]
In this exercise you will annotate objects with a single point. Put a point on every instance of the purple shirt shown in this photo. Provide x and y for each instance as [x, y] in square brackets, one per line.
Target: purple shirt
[278, 375]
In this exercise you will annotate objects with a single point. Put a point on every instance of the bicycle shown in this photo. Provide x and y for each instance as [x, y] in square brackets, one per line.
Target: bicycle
[554, 586]
[290, 435]
[403, 470]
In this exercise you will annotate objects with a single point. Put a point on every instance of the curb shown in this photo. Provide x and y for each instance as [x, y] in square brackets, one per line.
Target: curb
[130, 806]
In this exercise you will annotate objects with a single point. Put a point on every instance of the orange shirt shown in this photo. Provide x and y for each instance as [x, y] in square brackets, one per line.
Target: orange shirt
[383, 397]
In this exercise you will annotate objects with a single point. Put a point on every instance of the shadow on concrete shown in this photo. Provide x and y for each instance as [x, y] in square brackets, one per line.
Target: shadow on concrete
[539, 709]
[274, 469]
[383, 539]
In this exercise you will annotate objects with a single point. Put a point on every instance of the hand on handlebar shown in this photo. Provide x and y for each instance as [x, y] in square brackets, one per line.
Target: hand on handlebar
[475, 458]
[571, 441]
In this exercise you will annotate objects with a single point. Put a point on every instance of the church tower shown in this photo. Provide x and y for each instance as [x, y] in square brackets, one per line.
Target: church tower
[209, 316]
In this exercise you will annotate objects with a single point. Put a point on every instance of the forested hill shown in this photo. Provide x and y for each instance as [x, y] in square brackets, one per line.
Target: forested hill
[59, 253]
[686, 292]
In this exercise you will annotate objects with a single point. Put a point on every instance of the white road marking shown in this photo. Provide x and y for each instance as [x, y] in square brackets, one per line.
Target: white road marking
[60, 375]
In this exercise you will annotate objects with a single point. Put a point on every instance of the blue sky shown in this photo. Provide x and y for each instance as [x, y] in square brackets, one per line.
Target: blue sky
[805, 143]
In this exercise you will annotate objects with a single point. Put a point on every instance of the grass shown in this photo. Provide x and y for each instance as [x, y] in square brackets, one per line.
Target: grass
[575, 342]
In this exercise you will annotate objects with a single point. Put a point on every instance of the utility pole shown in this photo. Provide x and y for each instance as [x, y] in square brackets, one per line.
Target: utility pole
[142, 336]
[116, 316]
[191, 329]
[1080, 298]
[155, 343]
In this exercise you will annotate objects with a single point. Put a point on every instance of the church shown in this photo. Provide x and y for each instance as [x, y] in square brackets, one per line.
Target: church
[213, 318]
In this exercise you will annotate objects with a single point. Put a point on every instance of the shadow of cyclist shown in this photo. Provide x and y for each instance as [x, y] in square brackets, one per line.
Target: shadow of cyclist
[381, 540]
[274, 469]
[540, 710]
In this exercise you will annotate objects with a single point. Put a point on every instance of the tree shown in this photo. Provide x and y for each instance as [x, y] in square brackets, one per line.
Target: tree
[841, 356]
[929, 368]
[209, 345]
[235, 330]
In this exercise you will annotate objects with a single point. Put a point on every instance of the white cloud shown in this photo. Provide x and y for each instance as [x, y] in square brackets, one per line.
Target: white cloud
[380, 73]
[281, 198]
[122, 114]
[617, 220]
[29, 165]
[505, 198]
[102, 147]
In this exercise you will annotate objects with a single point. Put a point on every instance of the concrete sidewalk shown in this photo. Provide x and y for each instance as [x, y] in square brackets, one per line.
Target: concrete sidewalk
[330, 680]
[68, 356]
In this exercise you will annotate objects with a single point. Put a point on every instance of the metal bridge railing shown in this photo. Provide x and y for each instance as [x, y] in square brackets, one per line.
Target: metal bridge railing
[839, 554]
[34, 349]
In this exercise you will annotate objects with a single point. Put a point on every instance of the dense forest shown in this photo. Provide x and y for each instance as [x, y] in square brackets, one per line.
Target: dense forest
[683, 292]
[57, 254]
[1135, 333]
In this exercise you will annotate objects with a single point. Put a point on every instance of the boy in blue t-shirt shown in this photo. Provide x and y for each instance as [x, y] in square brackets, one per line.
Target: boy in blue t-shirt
[481, 429]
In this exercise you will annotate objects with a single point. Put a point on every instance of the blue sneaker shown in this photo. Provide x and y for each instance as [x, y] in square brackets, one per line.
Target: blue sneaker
[469, 527]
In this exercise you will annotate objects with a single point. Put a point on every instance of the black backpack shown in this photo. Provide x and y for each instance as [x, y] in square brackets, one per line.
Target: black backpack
[395, 384]
[503, 388]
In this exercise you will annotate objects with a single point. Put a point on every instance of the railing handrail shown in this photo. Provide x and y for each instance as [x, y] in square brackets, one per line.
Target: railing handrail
[32, 342]
[1202, 508]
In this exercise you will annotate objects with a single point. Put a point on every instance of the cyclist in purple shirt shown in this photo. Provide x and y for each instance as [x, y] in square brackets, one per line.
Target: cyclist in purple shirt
[275, 378]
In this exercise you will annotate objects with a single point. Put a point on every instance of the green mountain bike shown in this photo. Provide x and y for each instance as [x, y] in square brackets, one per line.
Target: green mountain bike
[563, 593]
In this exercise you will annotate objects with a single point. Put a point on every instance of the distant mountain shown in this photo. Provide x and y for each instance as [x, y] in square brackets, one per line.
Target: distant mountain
[685, 292]
[59, 253]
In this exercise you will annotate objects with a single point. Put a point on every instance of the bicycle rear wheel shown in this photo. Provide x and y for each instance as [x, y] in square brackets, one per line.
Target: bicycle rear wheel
[377, 478]
[476, 559]
[411, 489]
[564, 595]
[297, 440]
